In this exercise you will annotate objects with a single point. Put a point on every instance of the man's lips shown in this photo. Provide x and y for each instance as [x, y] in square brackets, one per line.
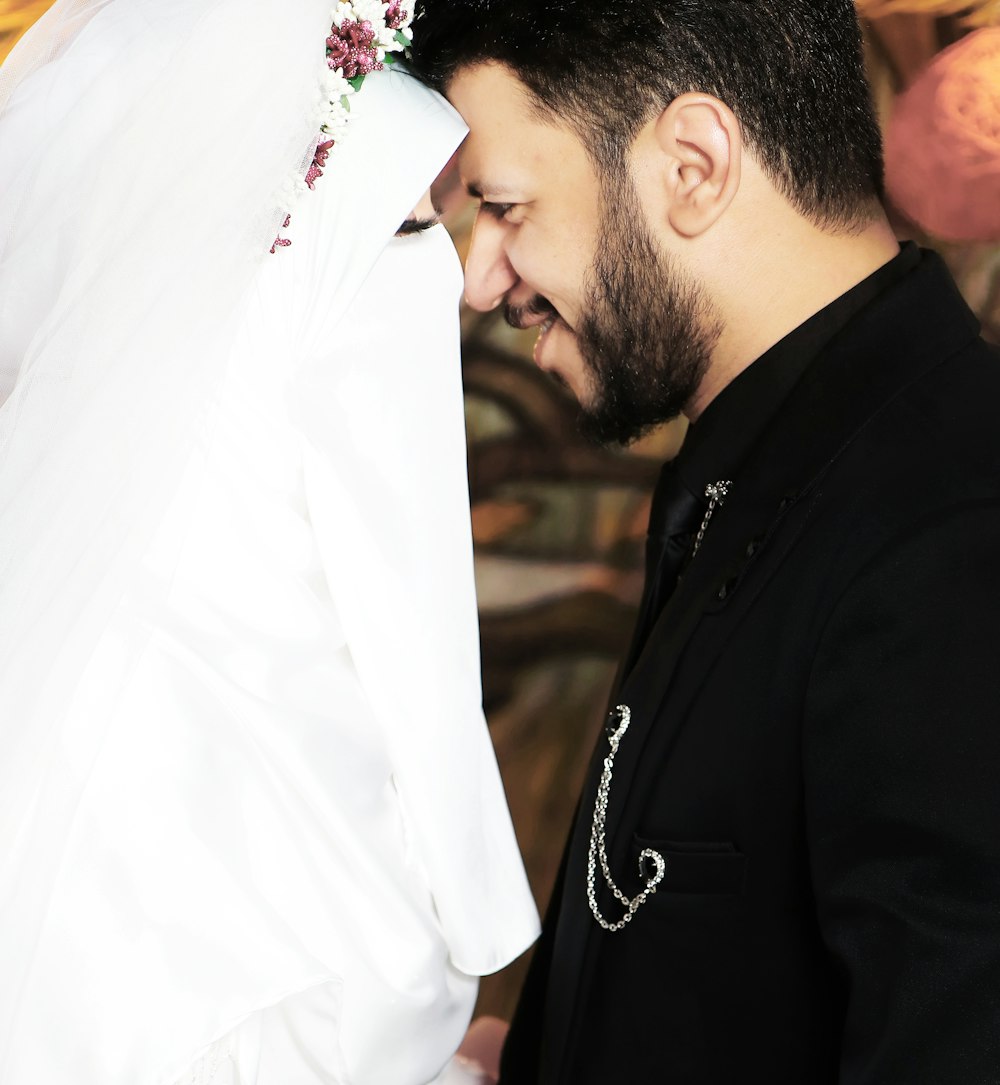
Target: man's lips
[540, 313]
[536, 313]
[545, 332]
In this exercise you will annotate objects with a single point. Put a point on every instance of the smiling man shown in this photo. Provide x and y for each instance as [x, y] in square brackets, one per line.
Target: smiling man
[786, 862]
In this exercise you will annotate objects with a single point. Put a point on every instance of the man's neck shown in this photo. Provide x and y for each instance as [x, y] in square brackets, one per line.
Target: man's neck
[780, 285]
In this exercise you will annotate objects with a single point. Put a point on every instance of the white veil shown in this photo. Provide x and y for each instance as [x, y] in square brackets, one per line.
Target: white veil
[113, 368]
[144, 147]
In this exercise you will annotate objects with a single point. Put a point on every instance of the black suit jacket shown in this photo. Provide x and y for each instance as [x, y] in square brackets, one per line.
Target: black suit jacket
[815, 749]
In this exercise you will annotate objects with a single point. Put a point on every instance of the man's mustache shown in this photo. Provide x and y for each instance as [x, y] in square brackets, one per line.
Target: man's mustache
[520, 316]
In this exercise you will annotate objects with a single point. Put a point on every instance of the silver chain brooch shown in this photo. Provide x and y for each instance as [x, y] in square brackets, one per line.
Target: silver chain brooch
[716, 493]
[598, 846]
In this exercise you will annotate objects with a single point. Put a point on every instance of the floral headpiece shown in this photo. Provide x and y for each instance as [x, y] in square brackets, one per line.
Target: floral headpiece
[364, 36]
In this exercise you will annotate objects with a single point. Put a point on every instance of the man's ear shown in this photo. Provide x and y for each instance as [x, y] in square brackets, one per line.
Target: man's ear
[702, 146]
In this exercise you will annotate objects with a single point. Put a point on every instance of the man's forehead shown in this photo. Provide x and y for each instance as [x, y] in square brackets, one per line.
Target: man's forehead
[490, 91]
[509, 142]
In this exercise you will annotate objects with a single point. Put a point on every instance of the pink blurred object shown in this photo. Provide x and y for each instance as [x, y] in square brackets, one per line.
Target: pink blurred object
[942, 144]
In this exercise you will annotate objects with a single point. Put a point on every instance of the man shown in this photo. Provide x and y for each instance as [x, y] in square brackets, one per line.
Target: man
[786, 862]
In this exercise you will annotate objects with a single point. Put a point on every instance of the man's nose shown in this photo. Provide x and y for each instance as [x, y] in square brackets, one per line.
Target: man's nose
[489, 274]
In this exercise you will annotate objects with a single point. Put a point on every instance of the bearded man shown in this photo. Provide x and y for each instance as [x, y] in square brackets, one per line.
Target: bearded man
[786, 863]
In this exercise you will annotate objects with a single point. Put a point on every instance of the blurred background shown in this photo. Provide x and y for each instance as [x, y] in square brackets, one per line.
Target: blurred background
[559, 526]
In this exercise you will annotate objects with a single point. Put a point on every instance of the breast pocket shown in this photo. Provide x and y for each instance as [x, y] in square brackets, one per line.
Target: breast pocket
[696, 866]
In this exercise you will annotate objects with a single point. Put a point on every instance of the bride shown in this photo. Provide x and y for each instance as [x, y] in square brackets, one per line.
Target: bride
[251, 826]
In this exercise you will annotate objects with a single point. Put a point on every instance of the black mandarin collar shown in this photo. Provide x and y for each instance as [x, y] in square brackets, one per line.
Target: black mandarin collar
[731, 424]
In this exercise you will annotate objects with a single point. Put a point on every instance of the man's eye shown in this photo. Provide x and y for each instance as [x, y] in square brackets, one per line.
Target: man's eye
[497, 211]
[416, 226]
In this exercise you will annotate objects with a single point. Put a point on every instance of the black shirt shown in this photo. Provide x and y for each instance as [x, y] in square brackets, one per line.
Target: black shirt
[731, 424]
[719, 443]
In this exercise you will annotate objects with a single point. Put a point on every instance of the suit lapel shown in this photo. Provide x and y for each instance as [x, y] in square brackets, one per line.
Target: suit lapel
[913, 327]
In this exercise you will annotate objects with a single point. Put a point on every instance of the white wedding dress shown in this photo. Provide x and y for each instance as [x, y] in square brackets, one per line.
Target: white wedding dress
[289, 857]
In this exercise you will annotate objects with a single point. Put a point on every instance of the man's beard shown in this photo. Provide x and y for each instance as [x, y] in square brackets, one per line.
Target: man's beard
[647, 333]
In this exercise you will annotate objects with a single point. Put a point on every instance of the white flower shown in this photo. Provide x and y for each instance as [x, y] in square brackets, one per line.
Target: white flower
[334, 126]
[336, 116]
[340, 13]
[360, 11]
[291, 192]
[335, 86]
[372, 10]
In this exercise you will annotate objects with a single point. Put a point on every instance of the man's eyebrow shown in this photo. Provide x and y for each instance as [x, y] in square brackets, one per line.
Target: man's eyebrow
[498, 193]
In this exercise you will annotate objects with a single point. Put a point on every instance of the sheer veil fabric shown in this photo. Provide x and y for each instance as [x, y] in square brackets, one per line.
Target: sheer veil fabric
[143, 151]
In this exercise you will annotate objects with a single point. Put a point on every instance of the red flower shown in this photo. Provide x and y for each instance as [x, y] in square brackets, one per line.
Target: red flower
[315, 171]
[395, 14]
[352, 48]
[337, 51]
[279, 241]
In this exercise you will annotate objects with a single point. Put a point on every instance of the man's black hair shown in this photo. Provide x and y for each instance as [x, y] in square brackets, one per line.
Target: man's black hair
[792, 71]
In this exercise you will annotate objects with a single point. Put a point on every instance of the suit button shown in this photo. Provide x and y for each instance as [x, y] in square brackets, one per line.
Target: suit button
[752, 547]
[726, 590]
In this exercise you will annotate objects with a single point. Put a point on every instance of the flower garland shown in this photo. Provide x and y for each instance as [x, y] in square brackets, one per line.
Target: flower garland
[364, 36]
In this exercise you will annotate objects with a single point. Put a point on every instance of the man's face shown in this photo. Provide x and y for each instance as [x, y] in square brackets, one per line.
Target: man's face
[571, 252]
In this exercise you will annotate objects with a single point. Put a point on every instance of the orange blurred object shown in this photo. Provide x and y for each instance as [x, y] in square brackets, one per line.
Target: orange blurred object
[942, 144]
[15, 17]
